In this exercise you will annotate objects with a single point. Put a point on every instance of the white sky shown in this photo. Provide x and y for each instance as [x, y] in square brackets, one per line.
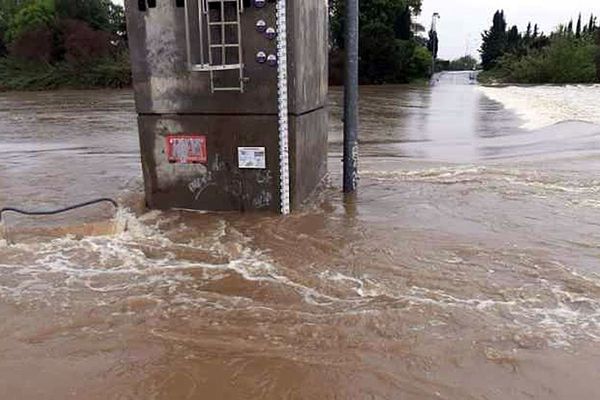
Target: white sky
[463, 21]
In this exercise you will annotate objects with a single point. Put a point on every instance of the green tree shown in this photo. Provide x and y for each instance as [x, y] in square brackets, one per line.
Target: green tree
[35, 15]
[388, 51]
[403, 26]
[94, 12]
[494, 42]
[597, 55]
[421, 63]
[570, 28]
[465, 63]
[578, 30]
[513, 40]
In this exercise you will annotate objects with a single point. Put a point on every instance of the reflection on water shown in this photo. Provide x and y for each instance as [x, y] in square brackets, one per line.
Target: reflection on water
[466, 267]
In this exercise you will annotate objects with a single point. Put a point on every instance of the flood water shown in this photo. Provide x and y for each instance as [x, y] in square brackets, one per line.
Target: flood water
[466, 267]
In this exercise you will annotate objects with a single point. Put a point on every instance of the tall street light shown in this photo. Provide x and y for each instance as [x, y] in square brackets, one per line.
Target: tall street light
[434, 20]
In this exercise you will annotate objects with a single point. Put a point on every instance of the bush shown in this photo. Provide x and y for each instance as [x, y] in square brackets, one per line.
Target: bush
[34, 45]
[108, 72]
[465, 63]
[380, 58]
[566, 60]
[421, 63]
[62, 44]
[83, 44]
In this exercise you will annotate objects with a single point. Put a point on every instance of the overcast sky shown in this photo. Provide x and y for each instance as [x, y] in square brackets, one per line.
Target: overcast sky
[462, 21]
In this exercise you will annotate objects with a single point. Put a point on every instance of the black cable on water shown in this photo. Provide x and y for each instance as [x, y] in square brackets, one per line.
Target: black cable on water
[59, 211]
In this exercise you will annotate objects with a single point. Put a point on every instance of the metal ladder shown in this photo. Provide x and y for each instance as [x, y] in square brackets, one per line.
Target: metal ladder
[219, 22]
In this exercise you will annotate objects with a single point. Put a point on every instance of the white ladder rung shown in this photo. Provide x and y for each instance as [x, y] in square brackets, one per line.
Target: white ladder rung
[229, 45]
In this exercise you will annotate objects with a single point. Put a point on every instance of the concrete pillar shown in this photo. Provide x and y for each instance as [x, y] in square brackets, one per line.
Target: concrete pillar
[208, 129]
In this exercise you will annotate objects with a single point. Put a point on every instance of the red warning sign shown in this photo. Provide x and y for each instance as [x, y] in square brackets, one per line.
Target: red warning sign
[186, 149]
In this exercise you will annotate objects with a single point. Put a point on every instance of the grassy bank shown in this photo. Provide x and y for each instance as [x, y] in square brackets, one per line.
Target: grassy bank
[102, 73]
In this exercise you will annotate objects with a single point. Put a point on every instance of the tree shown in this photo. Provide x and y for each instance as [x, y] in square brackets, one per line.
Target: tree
[597, 41]
[388, 50]
[36, 15]
[77, 31]
[513, 40]
[465, 63]
[118, 24]
[570, 28]
[494, 41]
[93, 12]
[578, 30]
[404, 26]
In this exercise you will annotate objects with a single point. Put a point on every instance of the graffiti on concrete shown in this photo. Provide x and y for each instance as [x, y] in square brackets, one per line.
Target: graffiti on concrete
[200, 184]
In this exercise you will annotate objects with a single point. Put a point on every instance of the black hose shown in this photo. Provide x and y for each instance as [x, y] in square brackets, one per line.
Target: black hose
[59, 211]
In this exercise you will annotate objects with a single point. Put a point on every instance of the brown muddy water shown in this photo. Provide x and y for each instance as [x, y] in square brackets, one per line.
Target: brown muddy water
[466, 268]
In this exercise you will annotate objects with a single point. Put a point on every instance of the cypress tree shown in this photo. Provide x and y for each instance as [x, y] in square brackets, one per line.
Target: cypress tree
[570, 28]
[495, 41]
[578, 30]
[513, 39]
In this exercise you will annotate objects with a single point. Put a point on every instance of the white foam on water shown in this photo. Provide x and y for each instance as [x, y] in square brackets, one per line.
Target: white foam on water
[582, 192]
[446, 175]
[541, 106]
[559, 316]
[118, 264]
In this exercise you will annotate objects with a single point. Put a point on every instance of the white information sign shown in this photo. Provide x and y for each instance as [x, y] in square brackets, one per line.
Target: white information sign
[252, 157]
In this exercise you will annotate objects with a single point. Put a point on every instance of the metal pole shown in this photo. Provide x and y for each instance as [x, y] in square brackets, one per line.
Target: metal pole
[435, 41]
[351, 98]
